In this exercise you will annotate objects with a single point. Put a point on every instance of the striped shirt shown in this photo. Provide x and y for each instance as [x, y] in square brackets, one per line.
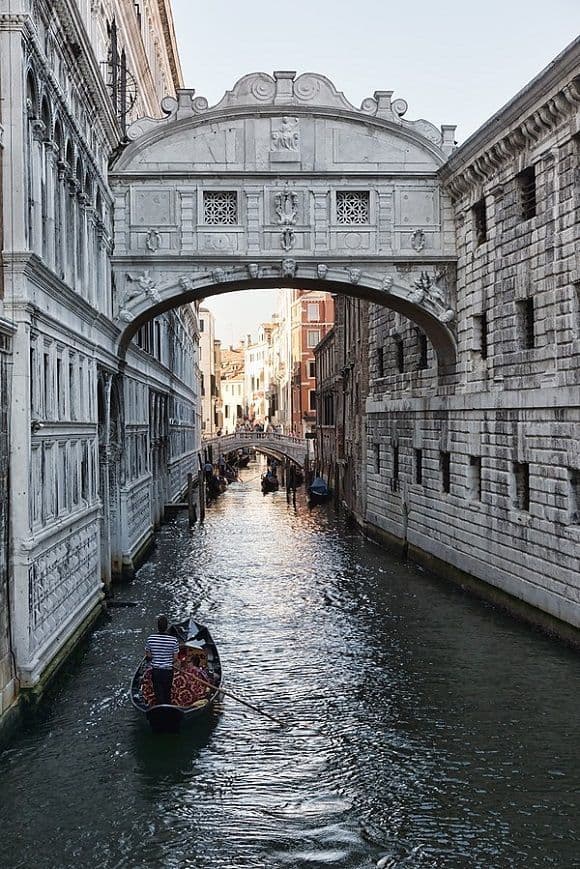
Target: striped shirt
[162, 648]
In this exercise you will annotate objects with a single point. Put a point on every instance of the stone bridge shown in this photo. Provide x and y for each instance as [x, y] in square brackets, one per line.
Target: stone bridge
[281, 446]
[285, 183]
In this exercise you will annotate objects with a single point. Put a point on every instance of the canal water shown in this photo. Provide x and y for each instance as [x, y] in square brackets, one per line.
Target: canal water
[423, 728]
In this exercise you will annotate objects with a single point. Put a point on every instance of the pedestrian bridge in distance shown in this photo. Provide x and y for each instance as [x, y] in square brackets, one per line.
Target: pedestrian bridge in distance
[281, 446]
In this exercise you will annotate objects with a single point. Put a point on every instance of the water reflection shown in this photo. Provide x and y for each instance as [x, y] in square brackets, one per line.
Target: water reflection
[423, 728]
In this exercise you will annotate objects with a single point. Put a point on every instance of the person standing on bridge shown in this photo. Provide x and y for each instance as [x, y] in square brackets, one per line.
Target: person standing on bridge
[161, 650]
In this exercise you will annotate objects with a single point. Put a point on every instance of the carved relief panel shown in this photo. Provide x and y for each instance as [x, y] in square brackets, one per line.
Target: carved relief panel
[417, 220]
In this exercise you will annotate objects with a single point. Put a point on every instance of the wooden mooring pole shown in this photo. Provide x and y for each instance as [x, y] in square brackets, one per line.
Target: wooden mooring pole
[191, 508]
[201, 492]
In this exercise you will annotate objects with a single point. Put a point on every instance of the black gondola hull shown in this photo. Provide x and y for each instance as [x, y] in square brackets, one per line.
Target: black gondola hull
[167, 718]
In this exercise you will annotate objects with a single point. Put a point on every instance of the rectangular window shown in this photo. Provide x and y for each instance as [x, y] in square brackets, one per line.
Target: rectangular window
[312, 338]
[377, 459]
[352, 207]
[201, 325]
[312, 369]
[474, 478]
[380, 362]
[480, 334]
[47, 386]
[85, 483]
[422, 363]
[313, 312]
[395, 482]
[220, 207]
[526, 182]
[312, 399]
[479, 222]
[521, 498]
[526, 323]
[574, 495]
[419, 467]
[445, 466]
[400, 355]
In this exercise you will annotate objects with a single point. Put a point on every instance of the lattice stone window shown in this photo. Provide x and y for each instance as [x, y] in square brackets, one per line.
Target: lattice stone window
[352, 206]
[220, 207]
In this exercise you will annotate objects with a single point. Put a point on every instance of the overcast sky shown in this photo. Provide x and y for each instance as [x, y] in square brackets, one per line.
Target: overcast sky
[454, 62]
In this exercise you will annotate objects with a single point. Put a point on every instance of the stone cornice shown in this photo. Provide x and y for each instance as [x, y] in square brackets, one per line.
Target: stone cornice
[88, 66]
[548, 100]
[168, 27]
[38, 273]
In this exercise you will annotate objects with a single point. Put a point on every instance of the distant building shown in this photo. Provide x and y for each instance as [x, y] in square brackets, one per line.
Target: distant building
[232, 388]
[210, 373]
[311, 317]
[260, 365]
[341, 389]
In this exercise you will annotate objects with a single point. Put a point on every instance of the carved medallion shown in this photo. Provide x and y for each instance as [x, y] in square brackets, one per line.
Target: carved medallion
[322, 270]
[418, 240]
[153, 241]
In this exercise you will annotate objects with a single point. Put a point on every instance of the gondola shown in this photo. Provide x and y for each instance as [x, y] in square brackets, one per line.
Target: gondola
[318, 491]
[270, 483]
[168, 718]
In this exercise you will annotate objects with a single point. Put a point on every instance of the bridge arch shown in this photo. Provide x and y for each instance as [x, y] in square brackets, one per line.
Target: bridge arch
[285, 183]
[295, 449]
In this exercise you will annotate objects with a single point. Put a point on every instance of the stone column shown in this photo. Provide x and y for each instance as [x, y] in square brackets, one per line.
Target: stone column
[320, 219]
[254, 220]
[20, 425]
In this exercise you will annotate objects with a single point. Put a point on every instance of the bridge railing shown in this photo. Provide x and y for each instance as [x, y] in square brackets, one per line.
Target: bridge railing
[291, 445]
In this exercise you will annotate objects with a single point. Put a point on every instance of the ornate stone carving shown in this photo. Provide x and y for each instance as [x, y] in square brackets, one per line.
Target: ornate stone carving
[354, 275]
[418, 240]
[153, 240]
[288, 268]
[286, 207]
[254, 270]
[186, 282]
[321, 270]
[62, 577]
[147, 287]
[286, 137]
[423, 282]
[218, 275]
[288, 239]
[387, 283]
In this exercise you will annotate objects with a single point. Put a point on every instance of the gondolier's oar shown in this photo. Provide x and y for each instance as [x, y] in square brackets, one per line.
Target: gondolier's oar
[239, 699]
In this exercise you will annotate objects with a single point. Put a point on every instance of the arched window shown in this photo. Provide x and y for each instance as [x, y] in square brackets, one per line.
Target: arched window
[80, 235]
[70, 213]
[58, 190]
[32, 112]
[45, 169]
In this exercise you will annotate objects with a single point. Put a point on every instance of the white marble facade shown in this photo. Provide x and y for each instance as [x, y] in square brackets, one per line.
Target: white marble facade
[283, 183]
[86, 441]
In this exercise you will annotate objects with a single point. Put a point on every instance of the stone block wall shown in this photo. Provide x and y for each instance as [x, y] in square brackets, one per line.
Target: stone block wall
[497, 493]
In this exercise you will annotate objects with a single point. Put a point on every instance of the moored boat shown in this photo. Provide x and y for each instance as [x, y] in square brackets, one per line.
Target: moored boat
[190, 698]
[318, 491]
[270, 483]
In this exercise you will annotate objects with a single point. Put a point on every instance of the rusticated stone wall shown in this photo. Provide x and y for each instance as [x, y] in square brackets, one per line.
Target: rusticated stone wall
[485, 477]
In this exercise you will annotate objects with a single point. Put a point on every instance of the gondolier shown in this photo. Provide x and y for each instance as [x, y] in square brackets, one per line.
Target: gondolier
[161, 651]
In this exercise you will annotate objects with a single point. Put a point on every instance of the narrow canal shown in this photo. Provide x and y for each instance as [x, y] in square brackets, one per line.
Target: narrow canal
[424, 727]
